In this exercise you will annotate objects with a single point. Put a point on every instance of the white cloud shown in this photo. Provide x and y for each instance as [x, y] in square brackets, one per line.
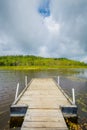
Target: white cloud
[43, 51]
[84, 59]
[52, 25]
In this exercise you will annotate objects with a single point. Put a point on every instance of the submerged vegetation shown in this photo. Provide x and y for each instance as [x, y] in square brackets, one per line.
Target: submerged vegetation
[35, 62]
[74, 125]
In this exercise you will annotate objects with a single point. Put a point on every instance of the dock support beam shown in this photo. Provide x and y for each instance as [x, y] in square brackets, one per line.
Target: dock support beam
[17, 114]
[73, 96]
[58, 80]
[26, 81]
[16, 95]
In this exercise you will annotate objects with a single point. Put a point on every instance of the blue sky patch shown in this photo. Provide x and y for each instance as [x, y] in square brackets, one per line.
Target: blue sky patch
[44, 8]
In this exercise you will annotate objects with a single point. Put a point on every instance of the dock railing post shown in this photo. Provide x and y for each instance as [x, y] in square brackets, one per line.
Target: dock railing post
[17, 89]
[58, 80]
[73, 96]
[26, 81]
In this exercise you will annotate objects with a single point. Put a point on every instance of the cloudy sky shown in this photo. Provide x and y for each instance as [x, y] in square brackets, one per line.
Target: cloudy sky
[49, 28]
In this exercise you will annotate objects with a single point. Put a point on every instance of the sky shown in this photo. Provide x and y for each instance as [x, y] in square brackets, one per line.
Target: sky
[48, 28]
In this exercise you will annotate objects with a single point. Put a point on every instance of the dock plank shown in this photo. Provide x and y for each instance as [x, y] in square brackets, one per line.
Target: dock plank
[63, 128]
[44, 124]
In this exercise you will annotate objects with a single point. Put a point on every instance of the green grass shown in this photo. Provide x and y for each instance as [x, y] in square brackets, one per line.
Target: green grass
[37, 67]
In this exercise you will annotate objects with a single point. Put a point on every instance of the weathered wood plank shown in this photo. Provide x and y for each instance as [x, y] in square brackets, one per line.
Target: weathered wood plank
[63, 128]
[44, 112]
[44, 124]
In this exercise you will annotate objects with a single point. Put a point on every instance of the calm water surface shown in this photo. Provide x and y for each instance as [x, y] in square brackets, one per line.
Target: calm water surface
[69, 78]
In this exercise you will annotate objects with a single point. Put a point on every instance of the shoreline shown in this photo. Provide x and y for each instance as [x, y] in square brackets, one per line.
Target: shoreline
[40, 67]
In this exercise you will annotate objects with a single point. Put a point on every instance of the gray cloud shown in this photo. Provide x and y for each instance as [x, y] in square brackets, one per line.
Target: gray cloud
[23, 30]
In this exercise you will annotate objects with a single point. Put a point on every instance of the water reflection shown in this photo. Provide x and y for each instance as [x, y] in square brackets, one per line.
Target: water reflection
[69, 78]
[83, 73]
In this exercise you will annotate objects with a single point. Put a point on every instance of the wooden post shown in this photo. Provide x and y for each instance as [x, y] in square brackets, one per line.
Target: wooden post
[58, 80]
[73, 96]
[26, 81]
[16, 95]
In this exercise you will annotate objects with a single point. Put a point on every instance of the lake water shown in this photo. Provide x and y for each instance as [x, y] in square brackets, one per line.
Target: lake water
[69, 78]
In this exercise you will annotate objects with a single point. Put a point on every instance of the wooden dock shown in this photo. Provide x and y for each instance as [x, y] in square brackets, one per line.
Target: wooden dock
[44, 105]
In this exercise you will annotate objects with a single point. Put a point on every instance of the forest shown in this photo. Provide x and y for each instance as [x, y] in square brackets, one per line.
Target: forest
[30, 60]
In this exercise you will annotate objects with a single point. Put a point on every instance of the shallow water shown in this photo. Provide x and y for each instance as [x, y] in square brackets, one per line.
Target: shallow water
[69, 78]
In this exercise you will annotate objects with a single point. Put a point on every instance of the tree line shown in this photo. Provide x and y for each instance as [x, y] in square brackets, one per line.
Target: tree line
[30, 60]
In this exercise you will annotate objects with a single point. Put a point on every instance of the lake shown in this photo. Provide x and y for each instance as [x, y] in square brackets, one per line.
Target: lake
[69, 78]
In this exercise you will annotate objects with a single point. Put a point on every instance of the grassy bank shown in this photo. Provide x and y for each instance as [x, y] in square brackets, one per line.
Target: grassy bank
[37, 67]
[37, 63]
